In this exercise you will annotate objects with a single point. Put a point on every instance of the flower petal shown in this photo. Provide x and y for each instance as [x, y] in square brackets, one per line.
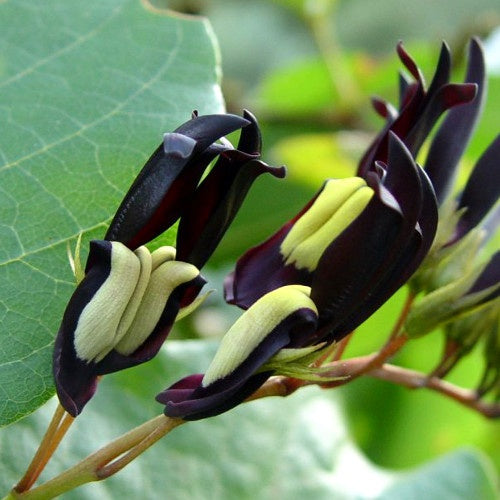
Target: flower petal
[353, 260]
[482, 190]
[282, 318]
[453, 135]
[262, 269]
[196, 403]
[412, 243]
[292, 254]
[159, 193]
[86, 342]
[419, 110]
[219, 197]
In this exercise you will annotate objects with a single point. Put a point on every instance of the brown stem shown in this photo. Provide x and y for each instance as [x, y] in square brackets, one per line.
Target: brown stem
[165, 426]
[398, 326]
[277, 386]
[106, 461]
[59, 425]
[394, 343]
[341, 347]
[356, 367]
[388, 350]
[416, 380]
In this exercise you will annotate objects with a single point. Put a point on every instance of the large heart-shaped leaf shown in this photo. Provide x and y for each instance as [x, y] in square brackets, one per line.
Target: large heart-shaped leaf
[86, 91]
[278, 448]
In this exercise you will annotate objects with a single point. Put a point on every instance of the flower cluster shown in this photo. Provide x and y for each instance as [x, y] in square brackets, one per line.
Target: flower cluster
[354, 244]
[351, 247]
[123, 309]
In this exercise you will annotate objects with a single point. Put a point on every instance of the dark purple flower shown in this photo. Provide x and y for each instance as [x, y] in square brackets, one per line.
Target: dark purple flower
[350, 248]
[123, 309]
[348, 251]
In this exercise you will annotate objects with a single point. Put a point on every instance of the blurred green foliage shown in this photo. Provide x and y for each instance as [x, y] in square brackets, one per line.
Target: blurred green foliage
[273, 66]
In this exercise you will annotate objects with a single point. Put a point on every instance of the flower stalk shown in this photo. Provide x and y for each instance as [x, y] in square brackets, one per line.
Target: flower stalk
[59, 425]
[106, 461]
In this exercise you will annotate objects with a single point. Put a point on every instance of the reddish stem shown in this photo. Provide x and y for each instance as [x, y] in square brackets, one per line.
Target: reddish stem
[416, 380]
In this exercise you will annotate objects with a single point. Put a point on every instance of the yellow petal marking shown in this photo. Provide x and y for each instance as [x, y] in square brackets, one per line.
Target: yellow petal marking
[253, 326]
[161, 255]
[164, 280]
[96, 328]
[338, 205]
[145, 260]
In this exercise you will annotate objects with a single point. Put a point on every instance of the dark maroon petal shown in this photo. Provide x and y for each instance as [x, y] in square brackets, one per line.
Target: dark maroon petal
[75, 379]
[208, 128]
[404, 260]
[403, 180]
[353, 261]
[161, 190]
[419, 110]
[216, 203]
[489, 277]
[262, 268]
[384, 108]
[442, 74]
[391, 276]
[409, 114]
[410, 64]
[446, 97]
[411, 90]
[404, 87]
[428, 218]
[217, 200]
[482, 190]
[183, 404]
[250, 139]
[223, 394]
[453, 135]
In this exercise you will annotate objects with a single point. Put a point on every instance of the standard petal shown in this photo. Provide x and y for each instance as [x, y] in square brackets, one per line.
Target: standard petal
[207, 129]
[409, 247]
[250, 139]
[160, 192]
[155, 199]
[448, 96]
[216, 203]
[419, 109]
[482, 190]
[453, 135]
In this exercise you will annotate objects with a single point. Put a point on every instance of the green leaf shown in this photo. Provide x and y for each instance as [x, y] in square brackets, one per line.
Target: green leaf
[461, 475]
[287, 448]
[87, 89]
